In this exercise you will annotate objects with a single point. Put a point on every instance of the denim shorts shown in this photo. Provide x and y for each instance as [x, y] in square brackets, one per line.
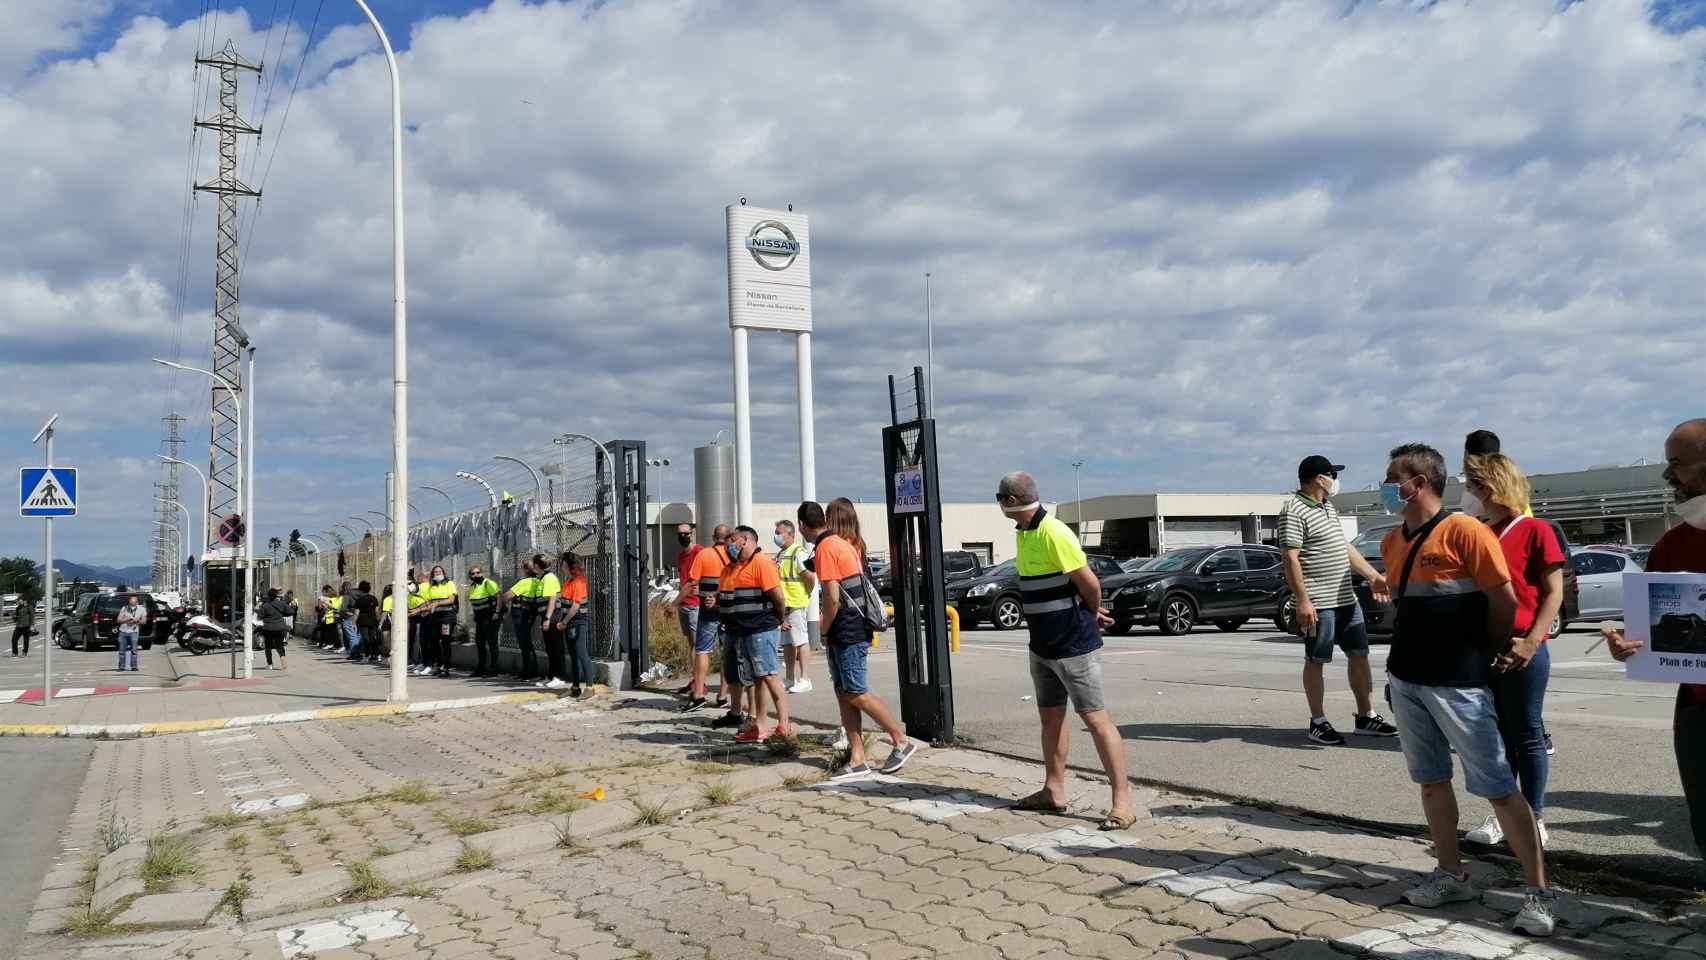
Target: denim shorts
[759, 653]
[1342, 627]
[847, 667]
[689, 619]
[707, 631]
[1078, 679]
[1437, 720]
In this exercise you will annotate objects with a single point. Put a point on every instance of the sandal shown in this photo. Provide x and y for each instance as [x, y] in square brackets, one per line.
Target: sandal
[1039, 802]
[1118, 820]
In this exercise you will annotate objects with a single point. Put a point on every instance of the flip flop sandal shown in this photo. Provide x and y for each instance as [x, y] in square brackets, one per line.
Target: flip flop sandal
[1039, 802]
[1118, 820]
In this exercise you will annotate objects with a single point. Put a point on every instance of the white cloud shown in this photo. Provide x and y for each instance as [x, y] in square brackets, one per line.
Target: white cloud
[1187, 241]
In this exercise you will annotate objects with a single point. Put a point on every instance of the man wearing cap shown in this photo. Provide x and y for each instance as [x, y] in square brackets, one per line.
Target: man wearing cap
[1318, 565]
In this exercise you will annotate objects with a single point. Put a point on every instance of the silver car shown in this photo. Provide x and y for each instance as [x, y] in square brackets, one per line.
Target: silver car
[1599, 572]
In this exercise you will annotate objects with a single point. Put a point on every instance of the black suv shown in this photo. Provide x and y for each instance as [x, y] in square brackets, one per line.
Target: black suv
[992, 597]
[94, 621]
[956, 565]
[1226, 586]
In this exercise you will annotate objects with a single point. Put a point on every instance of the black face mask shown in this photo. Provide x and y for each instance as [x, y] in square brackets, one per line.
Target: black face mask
[685, 538]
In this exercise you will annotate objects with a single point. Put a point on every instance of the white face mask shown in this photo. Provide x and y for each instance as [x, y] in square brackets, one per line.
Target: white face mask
[1472, 504]
[1332, 486]
[1693, 511]
[1022, 508]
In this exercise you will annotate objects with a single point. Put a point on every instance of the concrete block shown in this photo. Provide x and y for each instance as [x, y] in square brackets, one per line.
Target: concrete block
[612, 673]
[44, 922]
[297, 893]
[535, 836]
[600, 819]
[423, 864]
[108, 896]
[120, 863]
[171, 910]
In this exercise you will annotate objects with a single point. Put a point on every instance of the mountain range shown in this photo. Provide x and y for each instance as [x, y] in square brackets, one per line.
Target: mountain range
[113, 576]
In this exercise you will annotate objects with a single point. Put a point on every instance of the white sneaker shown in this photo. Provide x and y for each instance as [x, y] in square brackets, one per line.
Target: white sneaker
[801, 685]
[556, 683]
[1489, 832]
[1535, 917]
[840, 739]
[1439, 889]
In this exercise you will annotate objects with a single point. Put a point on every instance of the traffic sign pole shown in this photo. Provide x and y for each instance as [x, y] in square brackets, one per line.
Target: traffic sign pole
[47, 583]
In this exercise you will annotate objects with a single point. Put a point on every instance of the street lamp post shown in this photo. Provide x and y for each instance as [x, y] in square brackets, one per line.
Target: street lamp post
[176, 541]
[447, 497]
[188, 525]
[248, 628]
[1079, 485]
[662, 463]
[476, 478]
[201, 551]
[538, 499]
[399, 507]
[929, 354]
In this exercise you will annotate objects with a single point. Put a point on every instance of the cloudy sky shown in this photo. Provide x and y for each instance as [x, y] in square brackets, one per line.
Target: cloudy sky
[1187, 242]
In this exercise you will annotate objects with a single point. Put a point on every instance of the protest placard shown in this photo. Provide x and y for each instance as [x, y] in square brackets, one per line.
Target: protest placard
[1667, 612]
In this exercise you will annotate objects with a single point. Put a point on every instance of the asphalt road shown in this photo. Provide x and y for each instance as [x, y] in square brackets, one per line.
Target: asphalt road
[37, 794]
[1225, 713]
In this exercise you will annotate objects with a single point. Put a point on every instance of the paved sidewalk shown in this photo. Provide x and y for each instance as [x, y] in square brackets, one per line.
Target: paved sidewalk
[930, 864]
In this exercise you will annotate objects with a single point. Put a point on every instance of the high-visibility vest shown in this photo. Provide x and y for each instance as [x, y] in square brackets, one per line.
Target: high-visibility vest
[333, 605]
[483, 597]
[794, 591]
[442, 591]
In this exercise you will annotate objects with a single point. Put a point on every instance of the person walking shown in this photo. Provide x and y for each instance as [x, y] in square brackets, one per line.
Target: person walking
[23, 623]
[799, 589]
[275, 623]
[1062, 600]
[574, 625]
[754, 613]
[686, 601]
[132, 617]
[1455, 613]
[439, 614]
[483, 604]
[702, 584]
[1318, 563]
[1495, 488]
[1682, 549]
[838, 555]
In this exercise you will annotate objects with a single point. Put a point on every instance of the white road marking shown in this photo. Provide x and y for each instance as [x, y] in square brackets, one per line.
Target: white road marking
[956, 804]
[264, 804]
[305, 941]
[238, 789]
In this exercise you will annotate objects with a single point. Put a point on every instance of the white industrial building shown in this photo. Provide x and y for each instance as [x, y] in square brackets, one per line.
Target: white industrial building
[1146, 524]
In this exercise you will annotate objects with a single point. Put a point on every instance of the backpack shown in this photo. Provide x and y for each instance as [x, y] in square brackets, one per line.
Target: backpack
[871, 608]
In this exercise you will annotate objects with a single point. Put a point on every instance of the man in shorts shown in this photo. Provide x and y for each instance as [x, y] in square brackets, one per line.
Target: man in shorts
[1318, 564]
[700, 585]
[799, 589]
[686, 601]
[1063, 610]
[754, 616]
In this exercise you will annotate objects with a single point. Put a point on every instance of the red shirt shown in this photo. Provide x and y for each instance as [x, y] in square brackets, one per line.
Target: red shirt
[1530, 548]
[684, 568]
[1682, 549]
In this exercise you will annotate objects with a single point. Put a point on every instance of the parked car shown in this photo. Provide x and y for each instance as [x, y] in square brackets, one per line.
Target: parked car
[1380, 617]
[992, 597]
[1599, 574]
[1227, 586]
[94, 621]
[956, 565]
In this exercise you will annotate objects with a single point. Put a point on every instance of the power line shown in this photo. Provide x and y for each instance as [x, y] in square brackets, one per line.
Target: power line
[284, 118]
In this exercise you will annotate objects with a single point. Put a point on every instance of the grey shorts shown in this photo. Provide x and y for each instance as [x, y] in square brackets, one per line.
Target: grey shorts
[1078, 679]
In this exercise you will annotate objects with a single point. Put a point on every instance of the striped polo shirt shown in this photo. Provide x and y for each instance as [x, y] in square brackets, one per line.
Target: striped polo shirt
[1060, 625]
[1440, 638]
[743, 595]
[707, 572]
[1312, 528]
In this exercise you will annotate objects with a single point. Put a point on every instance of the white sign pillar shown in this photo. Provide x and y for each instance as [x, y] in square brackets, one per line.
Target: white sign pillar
[770, 288]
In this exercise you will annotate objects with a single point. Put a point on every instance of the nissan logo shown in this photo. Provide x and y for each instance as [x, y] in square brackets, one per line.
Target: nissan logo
[772, 244]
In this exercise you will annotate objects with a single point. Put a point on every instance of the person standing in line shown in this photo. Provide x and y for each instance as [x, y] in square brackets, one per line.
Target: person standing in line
[350, 633]
[23, 622]
[1682, 549]
[1318, 563]
[1495, 488]
[1063, 611]
[519, 600]
[275, 623]
[483, 604]
[132, 617]
[701, 585]
[325, 634]
[554, 631]
[367, 625]
[799, 588]
[1456, 609]
[575, 625]
[686, 600]
[355, 601]
[839, 558]
[439, 629]
[754, 613]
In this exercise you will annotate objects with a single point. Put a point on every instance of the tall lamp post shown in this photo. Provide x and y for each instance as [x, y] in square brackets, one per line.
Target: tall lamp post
[248, 626]
[447, 497]
[538, 499]
[1078, 465]
[187, 522]
[201, 551]
[399, 508]
[662, 463]
[476, 478]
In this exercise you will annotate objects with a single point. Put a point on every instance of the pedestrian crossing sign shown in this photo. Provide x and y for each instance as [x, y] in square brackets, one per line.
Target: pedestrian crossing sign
[47, 492]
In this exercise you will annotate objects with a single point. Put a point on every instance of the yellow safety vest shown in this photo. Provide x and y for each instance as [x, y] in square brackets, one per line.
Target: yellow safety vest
[794, 592]
[333, 605]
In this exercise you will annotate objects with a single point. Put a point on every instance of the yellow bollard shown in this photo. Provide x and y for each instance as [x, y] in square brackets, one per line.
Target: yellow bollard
[953, 627]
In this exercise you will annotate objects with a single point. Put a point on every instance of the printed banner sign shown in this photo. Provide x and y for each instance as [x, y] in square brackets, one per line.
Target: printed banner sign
[909, 490]
[1667, 612]
[770, 269]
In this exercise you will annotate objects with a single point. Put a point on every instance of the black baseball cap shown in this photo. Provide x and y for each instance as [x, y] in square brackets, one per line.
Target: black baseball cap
[1315, 465]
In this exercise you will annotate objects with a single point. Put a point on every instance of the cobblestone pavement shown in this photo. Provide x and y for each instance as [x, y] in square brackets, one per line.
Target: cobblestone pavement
[929, 865]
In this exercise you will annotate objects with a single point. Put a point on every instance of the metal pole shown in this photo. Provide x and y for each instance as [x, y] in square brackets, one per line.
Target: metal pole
[47, 580]
[743, 431]
[249, 527]
[808, 431]
[201, 551]
[1079, 485]
[400, 379]
[447, 497]
[929, 352]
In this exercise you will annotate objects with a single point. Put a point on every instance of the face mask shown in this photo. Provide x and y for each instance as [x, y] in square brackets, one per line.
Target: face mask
[438, 578]
[777, 539]
[1472, 504]
[476, 577]
[1392, 497]
[1333, 487]
[1021, 509]
[1693, 511]
[685, 538]
[734, 553]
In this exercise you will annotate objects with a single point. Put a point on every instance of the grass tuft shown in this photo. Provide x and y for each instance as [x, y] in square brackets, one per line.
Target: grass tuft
[555, 801]
[650, 814]
[234, 896]
[237, 842]
[419, 891]
[721, 793]
[783, 745]
[413, 791]
[474, 858]
[366, 883]
[168, 857]
[798, 780]
[275, 829]
[703, 767]
[223, 820]
[88, 922]
[565, 839]
[114, 831]
[468, 826]
[379, 850]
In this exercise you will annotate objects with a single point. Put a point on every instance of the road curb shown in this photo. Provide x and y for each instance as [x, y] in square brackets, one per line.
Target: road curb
[117, 731]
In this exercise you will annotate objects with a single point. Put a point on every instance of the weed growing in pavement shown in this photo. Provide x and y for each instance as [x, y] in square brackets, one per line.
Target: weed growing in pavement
[168, 857]
[633, 844]
[419, 891]
[502, 807]
[536, 774]
[324, 836]
[796, 780]
[222, 820]
[467, 826]
[315, 803]
[274, 830]
[555, 801]
[235, 894]
[712, 767]
[379, 850]
[365, 883]
[565, 839]
[114, 831]
[237, 842]
[412, 791]
[650, 814]
[665, 642]
[292, 863]
[474, 858]
[642, 763]
[721, 793]
[783, 745]
[88, 922]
